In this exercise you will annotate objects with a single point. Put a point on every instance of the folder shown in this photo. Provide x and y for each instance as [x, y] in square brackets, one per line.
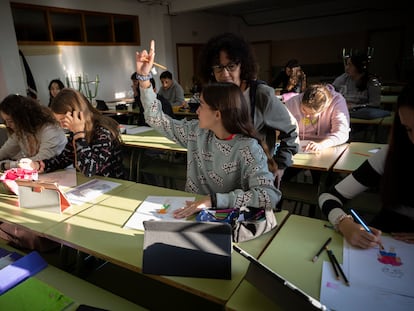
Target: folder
[20, 270]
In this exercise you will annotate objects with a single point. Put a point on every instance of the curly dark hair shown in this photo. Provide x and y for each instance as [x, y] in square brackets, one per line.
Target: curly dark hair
[27, 114]
[237, 49]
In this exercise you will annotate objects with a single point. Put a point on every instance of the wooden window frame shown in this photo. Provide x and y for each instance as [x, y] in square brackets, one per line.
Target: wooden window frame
[135, 33]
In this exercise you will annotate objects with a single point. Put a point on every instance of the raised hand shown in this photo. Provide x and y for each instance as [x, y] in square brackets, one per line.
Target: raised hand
[145, 60]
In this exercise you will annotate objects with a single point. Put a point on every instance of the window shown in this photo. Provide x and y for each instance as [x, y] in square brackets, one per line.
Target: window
[49, 25]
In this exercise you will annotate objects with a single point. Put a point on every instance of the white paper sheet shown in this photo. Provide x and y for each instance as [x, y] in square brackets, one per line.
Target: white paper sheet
[335, 295]
[392, 271]
[378, 280]
[65, 178]
[90, 191]
[153, 208]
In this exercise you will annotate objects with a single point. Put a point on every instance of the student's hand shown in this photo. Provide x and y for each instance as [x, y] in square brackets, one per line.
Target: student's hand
[144, 60]
[313, 147]
[192, 207]
[74, 121]
[356, 235]
[278, 177]
[407, 237]
[29, 164]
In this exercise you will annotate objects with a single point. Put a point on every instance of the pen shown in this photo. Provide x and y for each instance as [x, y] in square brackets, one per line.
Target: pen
[339, 268]
[362, 223]
[333, 263]
[315, 258]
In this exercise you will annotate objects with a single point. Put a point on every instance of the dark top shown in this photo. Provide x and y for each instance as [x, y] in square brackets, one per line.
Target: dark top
[166, 108]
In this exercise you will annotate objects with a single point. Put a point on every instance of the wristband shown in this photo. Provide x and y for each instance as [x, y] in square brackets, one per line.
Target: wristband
[143, 77]
[340, 219]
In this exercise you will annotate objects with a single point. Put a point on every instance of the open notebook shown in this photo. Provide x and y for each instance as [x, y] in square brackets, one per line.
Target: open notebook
[286, 295]
[187, 248]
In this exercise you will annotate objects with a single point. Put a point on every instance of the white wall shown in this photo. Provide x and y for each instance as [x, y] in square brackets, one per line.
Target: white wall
[11, 75]
[113, 64]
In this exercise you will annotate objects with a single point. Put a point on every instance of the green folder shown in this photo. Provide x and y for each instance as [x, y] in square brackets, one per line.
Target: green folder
[33, 294]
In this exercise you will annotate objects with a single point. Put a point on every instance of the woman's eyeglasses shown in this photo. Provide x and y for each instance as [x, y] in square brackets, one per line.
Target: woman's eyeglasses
[230, 67]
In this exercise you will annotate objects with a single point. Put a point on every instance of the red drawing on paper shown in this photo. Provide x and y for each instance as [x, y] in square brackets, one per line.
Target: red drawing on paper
[389, 257]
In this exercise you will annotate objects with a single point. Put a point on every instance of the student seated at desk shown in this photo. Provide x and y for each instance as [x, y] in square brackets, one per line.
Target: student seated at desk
[94, 144]
[166, 106]
[357, 84]
[322, 117]
[225, 160]
[33, 131]
[323, 122]
[171, 90]
[390, 169]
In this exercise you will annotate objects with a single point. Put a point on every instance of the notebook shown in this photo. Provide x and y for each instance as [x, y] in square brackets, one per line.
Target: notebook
[282, 292]
[187, 248]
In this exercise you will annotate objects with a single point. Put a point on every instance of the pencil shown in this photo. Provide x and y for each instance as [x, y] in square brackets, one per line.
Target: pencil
[362, 223]
[315, 258]
[339, 268]
[333, 263]
[160, 66]
[363, 154]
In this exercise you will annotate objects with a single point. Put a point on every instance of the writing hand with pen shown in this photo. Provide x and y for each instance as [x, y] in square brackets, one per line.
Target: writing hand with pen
[357, 235]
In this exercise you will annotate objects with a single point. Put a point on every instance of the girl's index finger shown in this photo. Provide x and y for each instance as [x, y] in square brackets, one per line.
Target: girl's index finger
[152, 46]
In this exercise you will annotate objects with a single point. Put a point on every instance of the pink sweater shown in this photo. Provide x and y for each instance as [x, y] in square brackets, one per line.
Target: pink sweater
[330, 128]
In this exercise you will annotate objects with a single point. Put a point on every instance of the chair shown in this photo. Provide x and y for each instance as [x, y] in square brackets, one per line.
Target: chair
[301, 193]
[166, 171]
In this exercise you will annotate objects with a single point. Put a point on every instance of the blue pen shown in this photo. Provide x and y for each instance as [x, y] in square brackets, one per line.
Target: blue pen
[362, 223]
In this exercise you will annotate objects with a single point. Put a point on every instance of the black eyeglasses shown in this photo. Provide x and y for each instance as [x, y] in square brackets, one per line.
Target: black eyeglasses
[230, 67]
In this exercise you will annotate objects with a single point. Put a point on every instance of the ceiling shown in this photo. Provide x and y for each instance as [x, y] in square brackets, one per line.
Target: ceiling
[264, 12]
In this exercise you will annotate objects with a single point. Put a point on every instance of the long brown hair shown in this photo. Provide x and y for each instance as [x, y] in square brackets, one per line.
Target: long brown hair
[229, 100]
[70, 100]
[29, 116]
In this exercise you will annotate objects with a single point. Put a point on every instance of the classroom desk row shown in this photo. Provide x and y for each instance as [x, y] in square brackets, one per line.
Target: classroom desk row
[96, 228]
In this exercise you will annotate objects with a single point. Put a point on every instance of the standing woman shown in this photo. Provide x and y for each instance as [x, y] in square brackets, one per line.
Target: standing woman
[55, 86]
[225, 160]
[94, 144]
[229, 58]
[33, 131]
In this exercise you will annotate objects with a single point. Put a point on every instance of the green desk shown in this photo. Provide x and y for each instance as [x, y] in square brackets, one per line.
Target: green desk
[79, 290]
[289, 254]
[99, 231]
[320, 161]
[151, 140]
[354, 156]
[39, 221]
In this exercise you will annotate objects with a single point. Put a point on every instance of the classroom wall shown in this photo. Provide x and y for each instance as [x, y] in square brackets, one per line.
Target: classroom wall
[113, 64]
[313, 41]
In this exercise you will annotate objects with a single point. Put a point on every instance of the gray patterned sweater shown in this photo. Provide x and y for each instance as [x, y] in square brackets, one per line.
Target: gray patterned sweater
[234, 170]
